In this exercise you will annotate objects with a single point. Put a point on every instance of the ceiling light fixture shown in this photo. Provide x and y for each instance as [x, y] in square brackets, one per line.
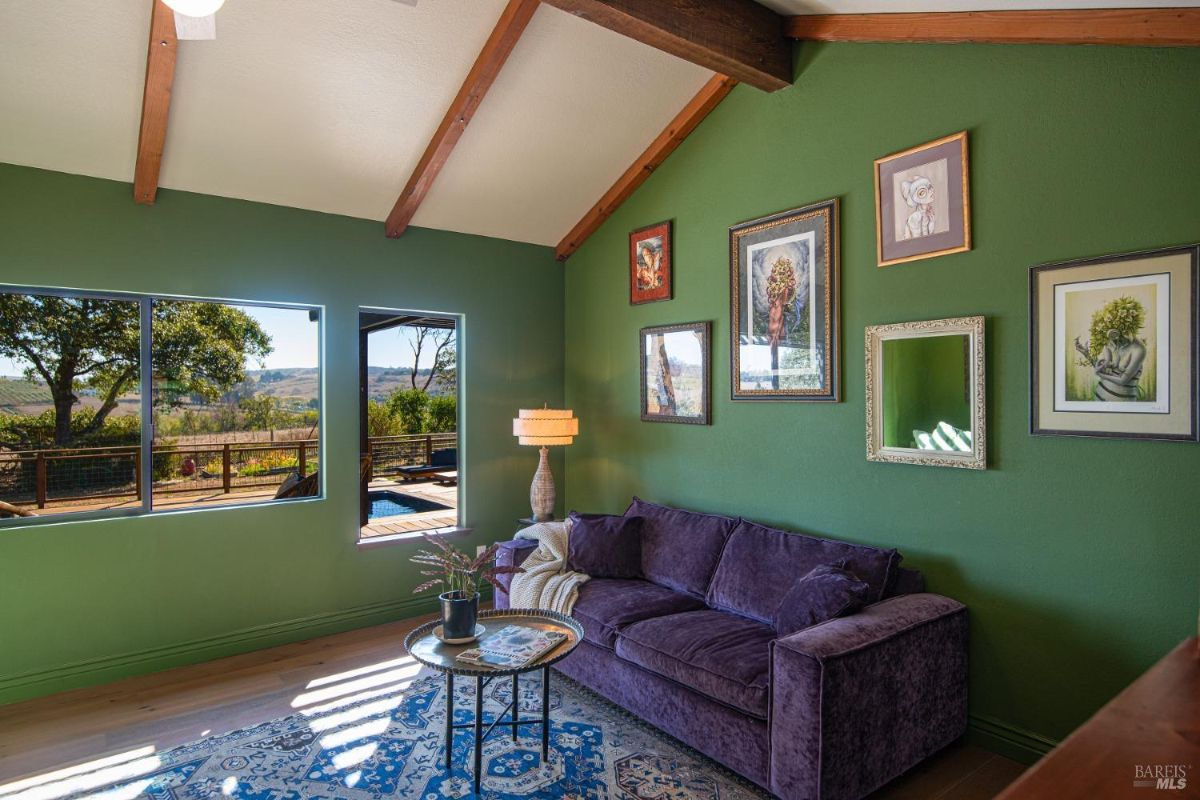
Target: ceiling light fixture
[195, 8]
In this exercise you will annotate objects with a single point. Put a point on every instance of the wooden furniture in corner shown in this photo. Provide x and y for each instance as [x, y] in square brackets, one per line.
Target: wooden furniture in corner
[1153, 723]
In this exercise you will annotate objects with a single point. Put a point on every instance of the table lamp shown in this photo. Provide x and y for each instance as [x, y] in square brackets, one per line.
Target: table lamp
[544, 428]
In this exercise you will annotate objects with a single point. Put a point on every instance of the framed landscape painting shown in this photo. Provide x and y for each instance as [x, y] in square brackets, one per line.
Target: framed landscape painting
[784, 322]
[676, 373]
[1113, 346]
[650, 264]
[922, 202]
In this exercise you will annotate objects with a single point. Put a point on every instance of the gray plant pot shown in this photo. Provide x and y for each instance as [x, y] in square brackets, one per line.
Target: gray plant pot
[459, 614]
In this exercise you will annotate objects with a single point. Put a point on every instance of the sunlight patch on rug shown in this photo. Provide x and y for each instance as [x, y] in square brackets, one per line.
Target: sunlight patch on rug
[358, 740]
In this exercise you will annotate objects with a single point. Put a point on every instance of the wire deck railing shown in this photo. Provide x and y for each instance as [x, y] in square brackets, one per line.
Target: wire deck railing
[37, 478]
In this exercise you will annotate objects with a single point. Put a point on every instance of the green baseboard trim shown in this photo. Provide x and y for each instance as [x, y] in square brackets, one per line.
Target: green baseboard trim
[91, 672]
[1007, 740]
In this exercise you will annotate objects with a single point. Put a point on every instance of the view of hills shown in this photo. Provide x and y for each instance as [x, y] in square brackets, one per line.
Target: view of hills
[299, 384]
[302, 382]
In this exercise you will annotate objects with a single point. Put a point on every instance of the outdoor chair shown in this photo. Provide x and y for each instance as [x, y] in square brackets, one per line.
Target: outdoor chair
[439, 461]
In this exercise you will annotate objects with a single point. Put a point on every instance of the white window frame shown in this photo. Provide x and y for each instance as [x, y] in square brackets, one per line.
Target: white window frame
[145, 303]
[460, 527]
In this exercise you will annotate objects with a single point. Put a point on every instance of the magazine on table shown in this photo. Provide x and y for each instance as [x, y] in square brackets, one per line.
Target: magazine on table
[512, 647]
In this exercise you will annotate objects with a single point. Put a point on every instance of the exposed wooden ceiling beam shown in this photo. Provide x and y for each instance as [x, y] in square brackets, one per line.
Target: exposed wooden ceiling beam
[156, 102]
[487, 66]
[1118, 26]
[663, 145]
[738, 38]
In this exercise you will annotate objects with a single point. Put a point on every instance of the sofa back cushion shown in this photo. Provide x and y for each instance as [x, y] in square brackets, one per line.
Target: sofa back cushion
[760, 564]
[680, 549]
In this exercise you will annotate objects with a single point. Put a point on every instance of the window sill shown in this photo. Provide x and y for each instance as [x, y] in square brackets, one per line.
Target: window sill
[400, 538]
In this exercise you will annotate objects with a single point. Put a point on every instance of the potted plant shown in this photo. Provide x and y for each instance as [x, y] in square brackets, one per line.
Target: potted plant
[459, 576]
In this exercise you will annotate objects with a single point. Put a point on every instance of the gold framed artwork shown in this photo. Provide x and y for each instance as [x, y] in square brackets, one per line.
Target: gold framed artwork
[922, 202]
[785, 337]
[1113, 346]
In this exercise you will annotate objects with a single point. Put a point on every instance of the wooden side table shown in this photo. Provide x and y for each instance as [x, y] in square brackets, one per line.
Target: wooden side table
[426, 648]
[1147, 737]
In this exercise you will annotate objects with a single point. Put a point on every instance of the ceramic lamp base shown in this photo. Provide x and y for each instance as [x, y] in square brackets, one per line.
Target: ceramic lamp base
[541, 491]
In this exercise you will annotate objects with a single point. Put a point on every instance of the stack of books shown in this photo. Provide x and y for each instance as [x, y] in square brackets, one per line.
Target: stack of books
[511, 647]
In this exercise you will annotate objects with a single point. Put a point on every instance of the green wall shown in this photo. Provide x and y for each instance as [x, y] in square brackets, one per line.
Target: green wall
[84, 602]
[1079, 559]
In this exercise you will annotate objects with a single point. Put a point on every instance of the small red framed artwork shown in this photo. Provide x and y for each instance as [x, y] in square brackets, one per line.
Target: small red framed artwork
[650, 264]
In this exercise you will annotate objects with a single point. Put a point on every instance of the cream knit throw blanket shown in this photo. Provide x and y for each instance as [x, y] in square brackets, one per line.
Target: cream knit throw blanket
[546, 583]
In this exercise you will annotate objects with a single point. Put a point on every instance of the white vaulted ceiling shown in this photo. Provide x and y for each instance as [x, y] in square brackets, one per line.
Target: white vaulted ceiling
[328, 105]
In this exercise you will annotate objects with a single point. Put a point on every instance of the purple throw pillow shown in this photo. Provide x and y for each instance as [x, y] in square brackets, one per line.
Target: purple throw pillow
[827, 592]
[605, 546]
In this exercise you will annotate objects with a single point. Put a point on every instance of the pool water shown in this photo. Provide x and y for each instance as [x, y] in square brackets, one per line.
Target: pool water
[391, 504]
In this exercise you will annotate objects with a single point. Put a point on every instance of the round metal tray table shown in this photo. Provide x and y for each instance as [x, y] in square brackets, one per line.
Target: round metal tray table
[427, 649]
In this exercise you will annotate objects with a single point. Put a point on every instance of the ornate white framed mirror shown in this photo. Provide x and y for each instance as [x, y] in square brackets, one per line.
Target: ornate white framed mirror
[926, 393]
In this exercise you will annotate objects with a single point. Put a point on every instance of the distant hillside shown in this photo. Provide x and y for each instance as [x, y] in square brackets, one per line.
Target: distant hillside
[301, 382]
[20, 392]
[19, 396]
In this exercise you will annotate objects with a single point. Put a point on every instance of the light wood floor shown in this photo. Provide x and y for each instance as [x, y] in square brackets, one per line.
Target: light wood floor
[170, 708]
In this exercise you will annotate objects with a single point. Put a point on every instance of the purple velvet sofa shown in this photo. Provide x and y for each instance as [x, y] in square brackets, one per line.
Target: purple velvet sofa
[835, 710]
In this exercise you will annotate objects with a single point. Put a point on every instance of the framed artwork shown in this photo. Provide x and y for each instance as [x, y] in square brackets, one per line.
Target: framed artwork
[922, 202]
[785, 333]
[676, 373]
[650, 264]
[1113, 346]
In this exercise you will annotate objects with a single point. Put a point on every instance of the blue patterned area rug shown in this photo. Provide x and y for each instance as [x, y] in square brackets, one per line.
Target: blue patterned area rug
[386, 742]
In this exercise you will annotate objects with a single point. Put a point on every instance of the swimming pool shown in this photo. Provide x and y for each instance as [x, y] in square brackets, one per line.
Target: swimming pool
[391, 504]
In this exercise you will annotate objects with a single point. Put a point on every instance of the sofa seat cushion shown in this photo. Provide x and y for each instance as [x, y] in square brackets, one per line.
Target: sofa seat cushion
[760, 564]
[720, 655]
[680, 548]
[606, 605]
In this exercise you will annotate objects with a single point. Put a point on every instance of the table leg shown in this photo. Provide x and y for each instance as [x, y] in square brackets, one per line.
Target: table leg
[516, 699]
[478, 732]
[449, 717]
[545, 714]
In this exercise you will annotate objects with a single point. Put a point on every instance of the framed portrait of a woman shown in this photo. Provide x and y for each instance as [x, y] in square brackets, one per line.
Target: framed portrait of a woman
[923, 201]
[1113, 346]
[784, 302]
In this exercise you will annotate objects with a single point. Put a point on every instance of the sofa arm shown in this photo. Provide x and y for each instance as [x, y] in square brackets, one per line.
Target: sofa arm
[857, 701]
[510, 554]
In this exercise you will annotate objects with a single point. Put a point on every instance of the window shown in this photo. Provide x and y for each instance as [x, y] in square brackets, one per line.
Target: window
[409, 422]
[119, 404]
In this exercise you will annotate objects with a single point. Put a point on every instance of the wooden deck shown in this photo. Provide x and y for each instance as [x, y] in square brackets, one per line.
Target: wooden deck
[163, 502]
[386, 526]
[421, 521]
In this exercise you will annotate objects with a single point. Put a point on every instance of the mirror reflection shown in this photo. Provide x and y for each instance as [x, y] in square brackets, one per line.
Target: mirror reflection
[927, 393]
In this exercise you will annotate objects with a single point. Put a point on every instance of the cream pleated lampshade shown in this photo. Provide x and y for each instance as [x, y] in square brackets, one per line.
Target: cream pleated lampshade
[545, 427]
